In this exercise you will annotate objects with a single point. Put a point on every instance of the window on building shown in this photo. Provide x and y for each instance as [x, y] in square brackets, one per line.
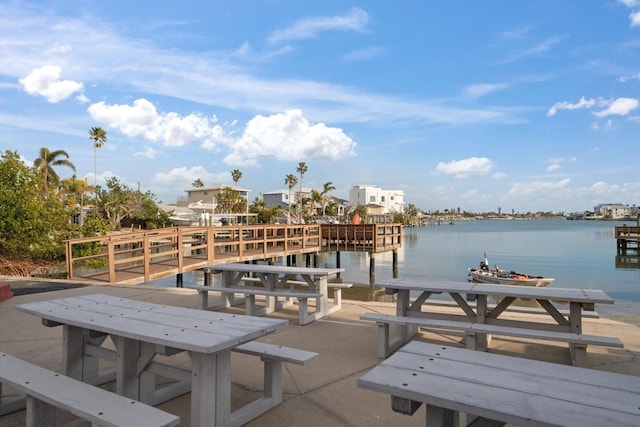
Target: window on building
[382, 199]
[391, 197]
[372, 199]
[205, 192]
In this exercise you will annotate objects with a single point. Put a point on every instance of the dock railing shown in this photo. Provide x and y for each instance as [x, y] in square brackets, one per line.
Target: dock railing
[139, 256]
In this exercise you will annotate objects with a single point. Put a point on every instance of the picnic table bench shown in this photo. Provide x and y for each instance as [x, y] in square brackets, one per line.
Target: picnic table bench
[46, 391]
[140, 330]
[480, 321]
[273, 282]
[502, 389]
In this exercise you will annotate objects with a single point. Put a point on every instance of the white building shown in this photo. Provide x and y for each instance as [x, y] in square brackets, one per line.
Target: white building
[612, 210]
[377, 200]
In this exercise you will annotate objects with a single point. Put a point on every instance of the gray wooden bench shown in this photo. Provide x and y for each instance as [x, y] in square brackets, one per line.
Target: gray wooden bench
[500, 389]
[271, 304]
[577, 341]
[273, 356]
[46, 390]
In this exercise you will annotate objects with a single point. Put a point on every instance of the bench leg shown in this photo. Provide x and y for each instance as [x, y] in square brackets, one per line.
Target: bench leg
[578, 354]
[337, 297]
[383, 340]
[273, 380]
[203, 301]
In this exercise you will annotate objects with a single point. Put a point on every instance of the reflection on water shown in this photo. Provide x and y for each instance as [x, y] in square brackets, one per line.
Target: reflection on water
[631, 259]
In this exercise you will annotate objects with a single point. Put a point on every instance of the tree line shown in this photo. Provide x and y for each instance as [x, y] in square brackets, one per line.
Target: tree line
[39, 209]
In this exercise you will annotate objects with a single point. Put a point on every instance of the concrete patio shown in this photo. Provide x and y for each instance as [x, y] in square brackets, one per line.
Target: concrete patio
[321, 393]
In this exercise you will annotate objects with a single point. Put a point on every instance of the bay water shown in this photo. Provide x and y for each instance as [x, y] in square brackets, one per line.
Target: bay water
[578, 254]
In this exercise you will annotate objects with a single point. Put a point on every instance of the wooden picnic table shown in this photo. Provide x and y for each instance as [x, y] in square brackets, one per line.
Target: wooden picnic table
[140, 331]
[571, 322]
[502, 389]
[276, 281]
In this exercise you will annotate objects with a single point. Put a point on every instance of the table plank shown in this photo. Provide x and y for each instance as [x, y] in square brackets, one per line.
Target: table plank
[273, 269]
[494, 386]
[207, 332]
[560, 294]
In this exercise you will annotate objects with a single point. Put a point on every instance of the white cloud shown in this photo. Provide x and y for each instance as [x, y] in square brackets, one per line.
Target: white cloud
[483, 89]
[308, 28]
[45, 81]
[499, 175]
[289, 136]
[620, 107]
[185, 176]
[624, 79]
[630, 3]
[583, 103]
[556, 163]
[364, 54]
[527, 188]
[541, 47]
[143, 120]
[461, 169]
[634, 17]
[149, 152]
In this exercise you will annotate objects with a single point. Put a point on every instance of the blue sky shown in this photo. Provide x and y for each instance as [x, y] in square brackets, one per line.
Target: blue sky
[478, 105]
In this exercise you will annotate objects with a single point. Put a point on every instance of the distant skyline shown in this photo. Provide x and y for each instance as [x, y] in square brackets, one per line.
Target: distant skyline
[477, 105]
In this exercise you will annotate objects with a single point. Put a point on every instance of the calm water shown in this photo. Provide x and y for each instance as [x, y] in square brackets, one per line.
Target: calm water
[575, 253]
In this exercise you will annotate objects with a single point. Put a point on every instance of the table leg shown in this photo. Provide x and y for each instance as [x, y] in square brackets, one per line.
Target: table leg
[72, 352]
[127, 378]
[403, 332]
[482, 341]
[577, 352]
[210, 388]
[438, 416]
[324, 296]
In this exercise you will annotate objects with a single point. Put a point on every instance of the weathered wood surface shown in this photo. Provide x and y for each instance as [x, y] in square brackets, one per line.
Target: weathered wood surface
[508, 389]
[47, 390]
[178, 327]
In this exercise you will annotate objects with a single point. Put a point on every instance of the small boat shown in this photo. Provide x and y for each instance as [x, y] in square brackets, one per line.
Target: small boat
[484, 274]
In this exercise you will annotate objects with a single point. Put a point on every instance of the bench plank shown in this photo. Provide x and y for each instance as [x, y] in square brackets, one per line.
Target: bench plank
[505, 388]
[276, 352]
[578, 342]
[91, 403]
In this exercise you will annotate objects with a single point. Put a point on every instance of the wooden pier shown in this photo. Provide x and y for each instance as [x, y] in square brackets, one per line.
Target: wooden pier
[627, 237]
[133, 257]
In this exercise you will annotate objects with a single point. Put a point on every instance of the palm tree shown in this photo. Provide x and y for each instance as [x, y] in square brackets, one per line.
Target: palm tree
[99, 138]
[328, 186]
[291, 180]
[44, 165]
[301, 169]
[316, 199]
[73, 188]
[236, 175]
[197, 183]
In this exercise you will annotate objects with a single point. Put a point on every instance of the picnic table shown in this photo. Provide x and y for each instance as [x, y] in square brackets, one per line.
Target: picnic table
[481, 320]
[140, 331]
[275, 281]
[502, 389]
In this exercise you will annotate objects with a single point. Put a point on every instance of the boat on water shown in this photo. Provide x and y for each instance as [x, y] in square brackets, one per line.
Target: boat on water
[484, 274]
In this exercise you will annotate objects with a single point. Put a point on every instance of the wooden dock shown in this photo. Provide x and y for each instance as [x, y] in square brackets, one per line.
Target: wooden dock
[627, 237]
[133, 257]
